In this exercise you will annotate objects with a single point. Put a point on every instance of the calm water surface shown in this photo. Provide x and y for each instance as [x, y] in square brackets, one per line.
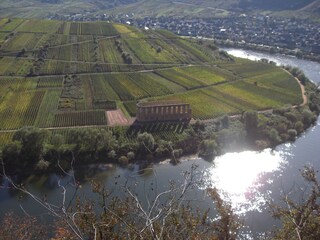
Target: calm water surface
[244, 178]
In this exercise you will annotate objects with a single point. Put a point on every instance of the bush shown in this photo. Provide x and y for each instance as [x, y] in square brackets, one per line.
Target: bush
[274, 137]
[162, 152]
[130, 155]
[176, 153]
[208, 148]
[112, 155]
[292, 134]
[42, 165]
[307, 117]
[299, 127]
[123, 160]
[261, 144]
[291, 117]
[146, 142]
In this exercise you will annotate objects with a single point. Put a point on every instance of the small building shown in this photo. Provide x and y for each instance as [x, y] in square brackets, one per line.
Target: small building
[163, 111]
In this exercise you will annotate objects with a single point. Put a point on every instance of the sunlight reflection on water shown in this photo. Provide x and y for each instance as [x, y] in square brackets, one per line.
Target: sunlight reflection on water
[237, 175]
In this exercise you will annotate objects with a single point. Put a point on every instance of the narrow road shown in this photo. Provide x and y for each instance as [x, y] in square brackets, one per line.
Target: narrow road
[303, 90]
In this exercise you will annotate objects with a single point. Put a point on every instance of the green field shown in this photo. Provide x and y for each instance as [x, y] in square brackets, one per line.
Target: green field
[61, 74]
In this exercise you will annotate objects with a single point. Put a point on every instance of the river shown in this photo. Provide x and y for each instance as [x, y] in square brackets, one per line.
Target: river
[244, 178]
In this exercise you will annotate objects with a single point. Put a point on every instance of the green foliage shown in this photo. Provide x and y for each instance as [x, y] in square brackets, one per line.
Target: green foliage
[299, 127]
[225, 121]
[92, 140]
[251, 122]
[176, 154]
[146, 142]
[208, 148]
[11, 154]
[57, 140]
[163, 149]
[308, 117]
[32, 141]
[42, 165]
[274, 137]
[130, 156]
[292, 134]
[123, 160]
[300, 220]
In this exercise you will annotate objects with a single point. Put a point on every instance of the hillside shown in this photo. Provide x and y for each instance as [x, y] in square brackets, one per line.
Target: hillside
[219, 8]
[143, 8]
[64, 74]
[275, 5]
[44, 8]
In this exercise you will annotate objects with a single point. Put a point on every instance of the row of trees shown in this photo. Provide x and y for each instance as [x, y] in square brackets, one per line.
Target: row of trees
[33, 149]
[125, 55]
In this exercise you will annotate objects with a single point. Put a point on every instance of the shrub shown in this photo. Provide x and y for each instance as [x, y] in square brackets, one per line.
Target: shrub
[299, 127]
[291, 117]
[112, 154]
[130, 155]
[146, 142]
[261, 144]
[176, 153]
[123, 160]
[292, 134]
[274, 137]
[307, 117]
[208, 148]
[42, 165]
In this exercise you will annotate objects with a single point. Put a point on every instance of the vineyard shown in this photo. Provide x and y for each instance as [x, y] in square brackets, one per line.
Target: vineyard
[61, 75]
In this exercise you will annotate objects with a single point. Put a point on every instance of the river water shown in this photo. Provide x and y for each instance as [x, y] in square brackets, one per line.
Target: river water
[243, 178]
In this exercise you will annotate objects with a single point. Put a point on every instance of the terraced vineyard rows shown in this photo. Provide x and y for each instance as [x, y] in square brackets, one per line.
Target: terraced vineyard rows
[20, 110]
[48, 108]
[109, 52]
[57, 74]
[50, 82]
[82, 118]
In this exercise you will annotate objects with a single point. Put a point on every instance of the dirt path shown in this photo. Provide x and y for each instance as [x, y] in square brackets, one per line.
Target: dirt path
[303, 90]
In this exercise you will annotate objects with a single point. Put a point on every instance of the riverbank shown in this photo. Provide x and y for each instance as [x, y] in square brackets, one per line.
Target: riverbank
[268, 49]
[246, 177]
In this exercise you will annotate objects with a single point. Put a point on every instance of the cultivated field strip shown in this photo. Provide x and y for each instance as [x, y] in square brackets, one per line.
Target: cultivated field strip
[79, 118]
[56, 74]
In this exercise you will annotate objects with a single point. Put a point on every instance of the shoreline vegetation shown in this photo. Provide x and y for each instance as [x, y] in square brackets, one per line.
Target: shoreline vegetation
[30, 150]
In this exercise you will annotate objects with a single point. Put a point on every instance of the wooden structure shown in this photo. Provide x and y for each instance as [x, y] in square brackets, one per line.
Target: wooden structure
[163, 111]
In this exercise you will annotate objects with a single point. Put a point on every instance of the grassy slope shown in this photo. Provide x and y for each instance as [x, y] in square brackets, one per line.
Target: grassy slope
[82, 73]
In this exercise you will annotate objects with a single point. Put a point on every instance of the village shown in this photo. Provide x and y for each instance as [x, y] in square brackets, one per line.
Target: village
[286, 33]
